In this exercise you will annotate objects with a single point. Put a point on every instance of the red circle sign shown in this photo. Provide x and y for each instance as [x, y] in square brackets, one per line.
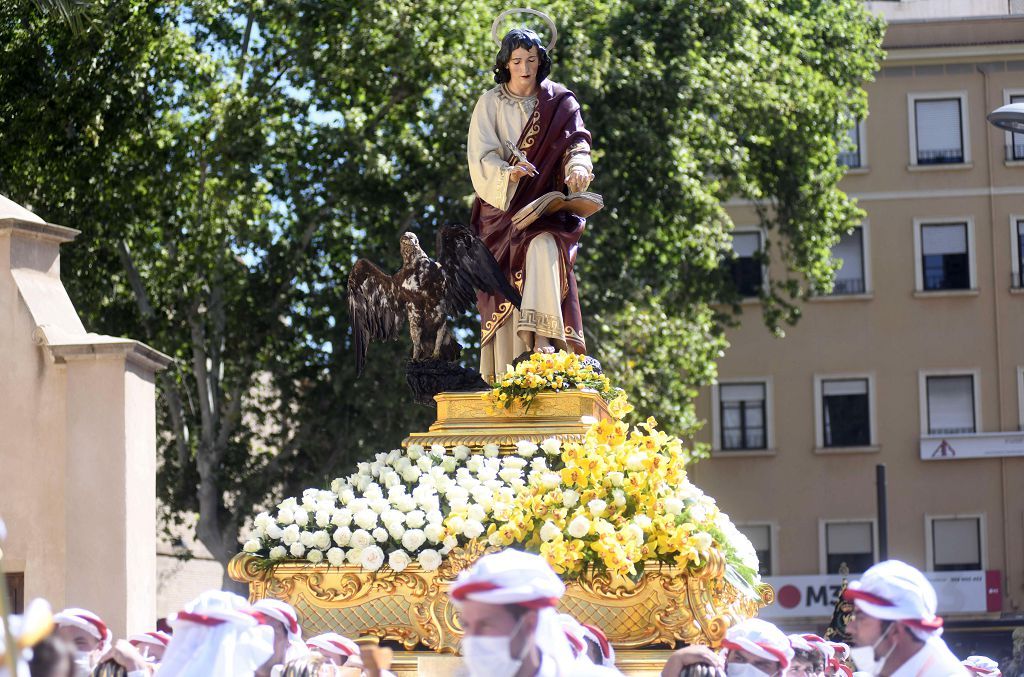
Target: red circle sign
[788, 596]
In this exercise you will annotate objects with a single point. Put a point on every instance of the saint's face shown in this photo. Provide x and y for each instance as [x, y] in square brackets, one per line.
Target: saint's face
[523, 65]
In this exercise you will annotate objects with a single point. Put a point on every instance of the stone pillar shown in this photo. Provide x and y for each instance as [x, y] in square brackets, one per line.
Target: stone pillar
[78, 465]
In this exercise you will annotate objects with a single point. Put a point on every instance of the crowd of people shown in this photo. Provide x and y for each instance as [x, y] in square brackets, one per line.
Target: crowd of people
[507, 605]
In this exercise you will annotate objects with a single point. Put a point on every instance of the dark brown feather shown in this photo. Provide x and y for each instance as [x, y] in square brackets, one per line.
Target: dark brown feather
[375, 308]
[468, 265]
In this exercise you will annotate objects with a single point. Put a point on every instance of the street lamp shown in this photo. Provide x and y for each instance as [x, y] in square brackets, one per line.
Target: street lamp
[1009, 117]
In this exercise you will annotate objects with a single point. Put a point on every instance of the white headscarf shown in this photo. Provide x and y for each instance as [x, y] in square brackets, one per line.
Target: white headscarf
[216, 635]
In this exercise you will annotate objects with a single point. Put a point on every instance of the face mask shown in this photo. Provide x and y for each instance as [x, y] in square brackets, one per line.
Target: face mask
[864, 656]
[742, 670]
[491, 656]
[82, 663]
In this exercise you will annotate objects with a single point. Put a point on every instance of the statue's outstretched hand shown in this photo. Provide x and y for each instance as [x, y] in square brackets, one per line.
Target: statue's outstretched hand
[521, 169]
[578, 179]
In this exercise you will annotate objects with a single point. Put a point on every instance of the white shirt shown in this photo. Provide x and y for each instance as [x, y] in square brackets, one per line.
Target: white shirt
[933, 660]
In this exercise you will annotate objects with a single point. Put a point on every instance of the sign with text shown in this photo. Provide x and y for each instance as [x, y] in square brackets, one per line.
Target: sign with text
[959, 592]
[978, 445]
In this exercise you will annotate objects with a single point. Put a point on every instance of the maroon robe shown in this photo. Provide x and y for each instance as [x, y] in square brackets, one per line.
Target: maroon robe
[551, 131]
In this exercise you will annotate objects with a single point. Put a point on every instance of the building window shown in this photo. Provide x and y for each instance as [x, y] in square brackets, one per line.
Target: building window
[845, 412]
[1015, 151]
[746, 267]
[16, 591]
[950, 404]
[849, 543]
[850, 156]
[955, 543]
[743, 415]
[945, 257]
[939, 131]
[850, 278]
[760, 536]
[1018, 241]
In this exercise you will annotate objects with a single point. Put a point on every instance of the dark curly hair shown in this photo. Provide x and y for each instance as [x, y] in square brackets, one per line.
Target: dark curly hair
[514, 39]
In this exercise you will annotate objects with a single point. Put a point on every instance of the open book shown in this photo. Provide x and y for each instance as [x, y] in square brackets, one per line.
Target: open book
[583, 204]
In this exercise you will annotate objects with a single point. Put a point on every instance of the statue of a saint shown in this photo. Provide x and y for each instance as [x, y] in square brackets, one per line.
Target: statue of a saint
[541, 120]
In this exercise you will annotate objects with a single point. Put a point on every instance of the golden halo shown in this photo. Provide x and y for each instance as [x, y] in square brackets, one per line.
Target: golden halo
[525, 10]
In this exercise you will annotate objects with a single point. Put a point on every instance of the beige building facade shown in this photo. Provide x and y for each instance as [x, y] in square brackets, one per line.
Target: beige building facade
[916, 360]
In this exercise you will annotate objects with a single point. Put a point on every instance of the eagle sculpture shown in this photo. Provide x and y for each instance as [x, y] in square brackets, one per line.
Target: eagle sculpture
[425, 291]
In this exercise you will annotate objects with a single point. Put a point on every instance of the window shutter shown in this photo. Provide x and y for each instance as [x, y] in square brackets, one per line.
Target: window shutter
[945, 239]
[746, 244]
[950, 404]
[845, 387]
[850, 538]
[956, 541]
[938, 126]
[740, 392]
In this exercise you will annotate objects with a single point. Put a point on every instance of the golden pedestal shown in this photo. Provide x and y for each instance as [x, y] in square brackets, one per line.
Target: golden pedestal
[412, 607]
[465, 418]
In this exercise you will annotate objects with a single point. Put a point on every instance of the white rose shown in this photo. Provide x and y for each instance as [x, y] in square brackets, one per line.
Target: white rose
[476, 513]
[425, 463]
[366, 519]
[619, 497]
[336, 484]
[698, 513]
[392, 480]
[290, 534]
[342, 517]
[297, 550]
[579, 527]
[346, 496]
[414, 451]
[396, 529]
[380, 534]
[514, 462]
[354, 556]
[413, 539]
[570, 498]
[411, 474]
[361, 539]
[461, 452]
[448, 544]
[448, 463]
[433, 532]
[275, 532]
[636, 532]
[551, 446]
[616, 478]
[342, 535]
[642, 521]
[252, 545]
[416, 519]
[635, 462]
[472, 465]
[549, 531]
[373, 492]
[509, 474]
[336, 557]
[301, 517]
[491, 450]
[538, 463]
[372, 558]
[526, 448]
[398, 560]
[285, 516]
[289, 503]
[429, 560]
[405, 503]
[306, 539]
[437, 449]
[357, 504]
[501, 511]
[321, 540]
[456, 524]
[379, 505]
[278, 552]
[551, 480]
[315, 556]
[435, 517]
[473, 529]
[673, 506]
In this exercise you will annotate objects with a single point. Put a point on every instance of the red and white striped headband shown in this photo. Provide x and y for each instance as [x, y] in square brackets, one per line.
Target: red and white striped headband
[84, 620]
[492, 593]
[152, 638]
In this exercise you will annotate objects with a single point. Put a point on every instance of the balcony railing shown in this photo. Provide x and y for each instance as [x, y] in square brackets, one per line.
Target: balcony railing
[940, 157]
[848, 286]
[850, 158]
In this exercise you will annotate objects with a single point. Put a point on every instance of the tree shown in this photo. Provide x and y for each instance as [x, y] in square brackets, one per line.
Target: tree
[228, 162]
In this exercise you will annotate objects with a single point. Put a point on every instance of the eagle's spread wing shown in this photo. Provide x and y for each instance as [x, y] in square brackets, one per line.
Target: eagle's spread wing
[375, 308]
[468, 265]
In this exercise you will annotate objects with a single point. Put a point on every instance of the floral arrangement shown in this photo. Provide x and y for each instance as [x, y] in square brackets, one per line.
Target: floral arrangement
[612, 502]
[552, 372]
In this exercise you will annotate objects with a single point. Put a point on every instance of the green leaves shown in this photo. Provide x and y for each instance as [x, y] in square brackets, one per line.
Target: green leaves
[246, 154]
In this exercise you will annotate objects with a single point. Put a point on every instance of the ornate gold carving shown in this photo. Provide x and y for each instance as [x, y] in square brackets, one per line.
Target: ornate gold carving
[464, 418]
[412, 607]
